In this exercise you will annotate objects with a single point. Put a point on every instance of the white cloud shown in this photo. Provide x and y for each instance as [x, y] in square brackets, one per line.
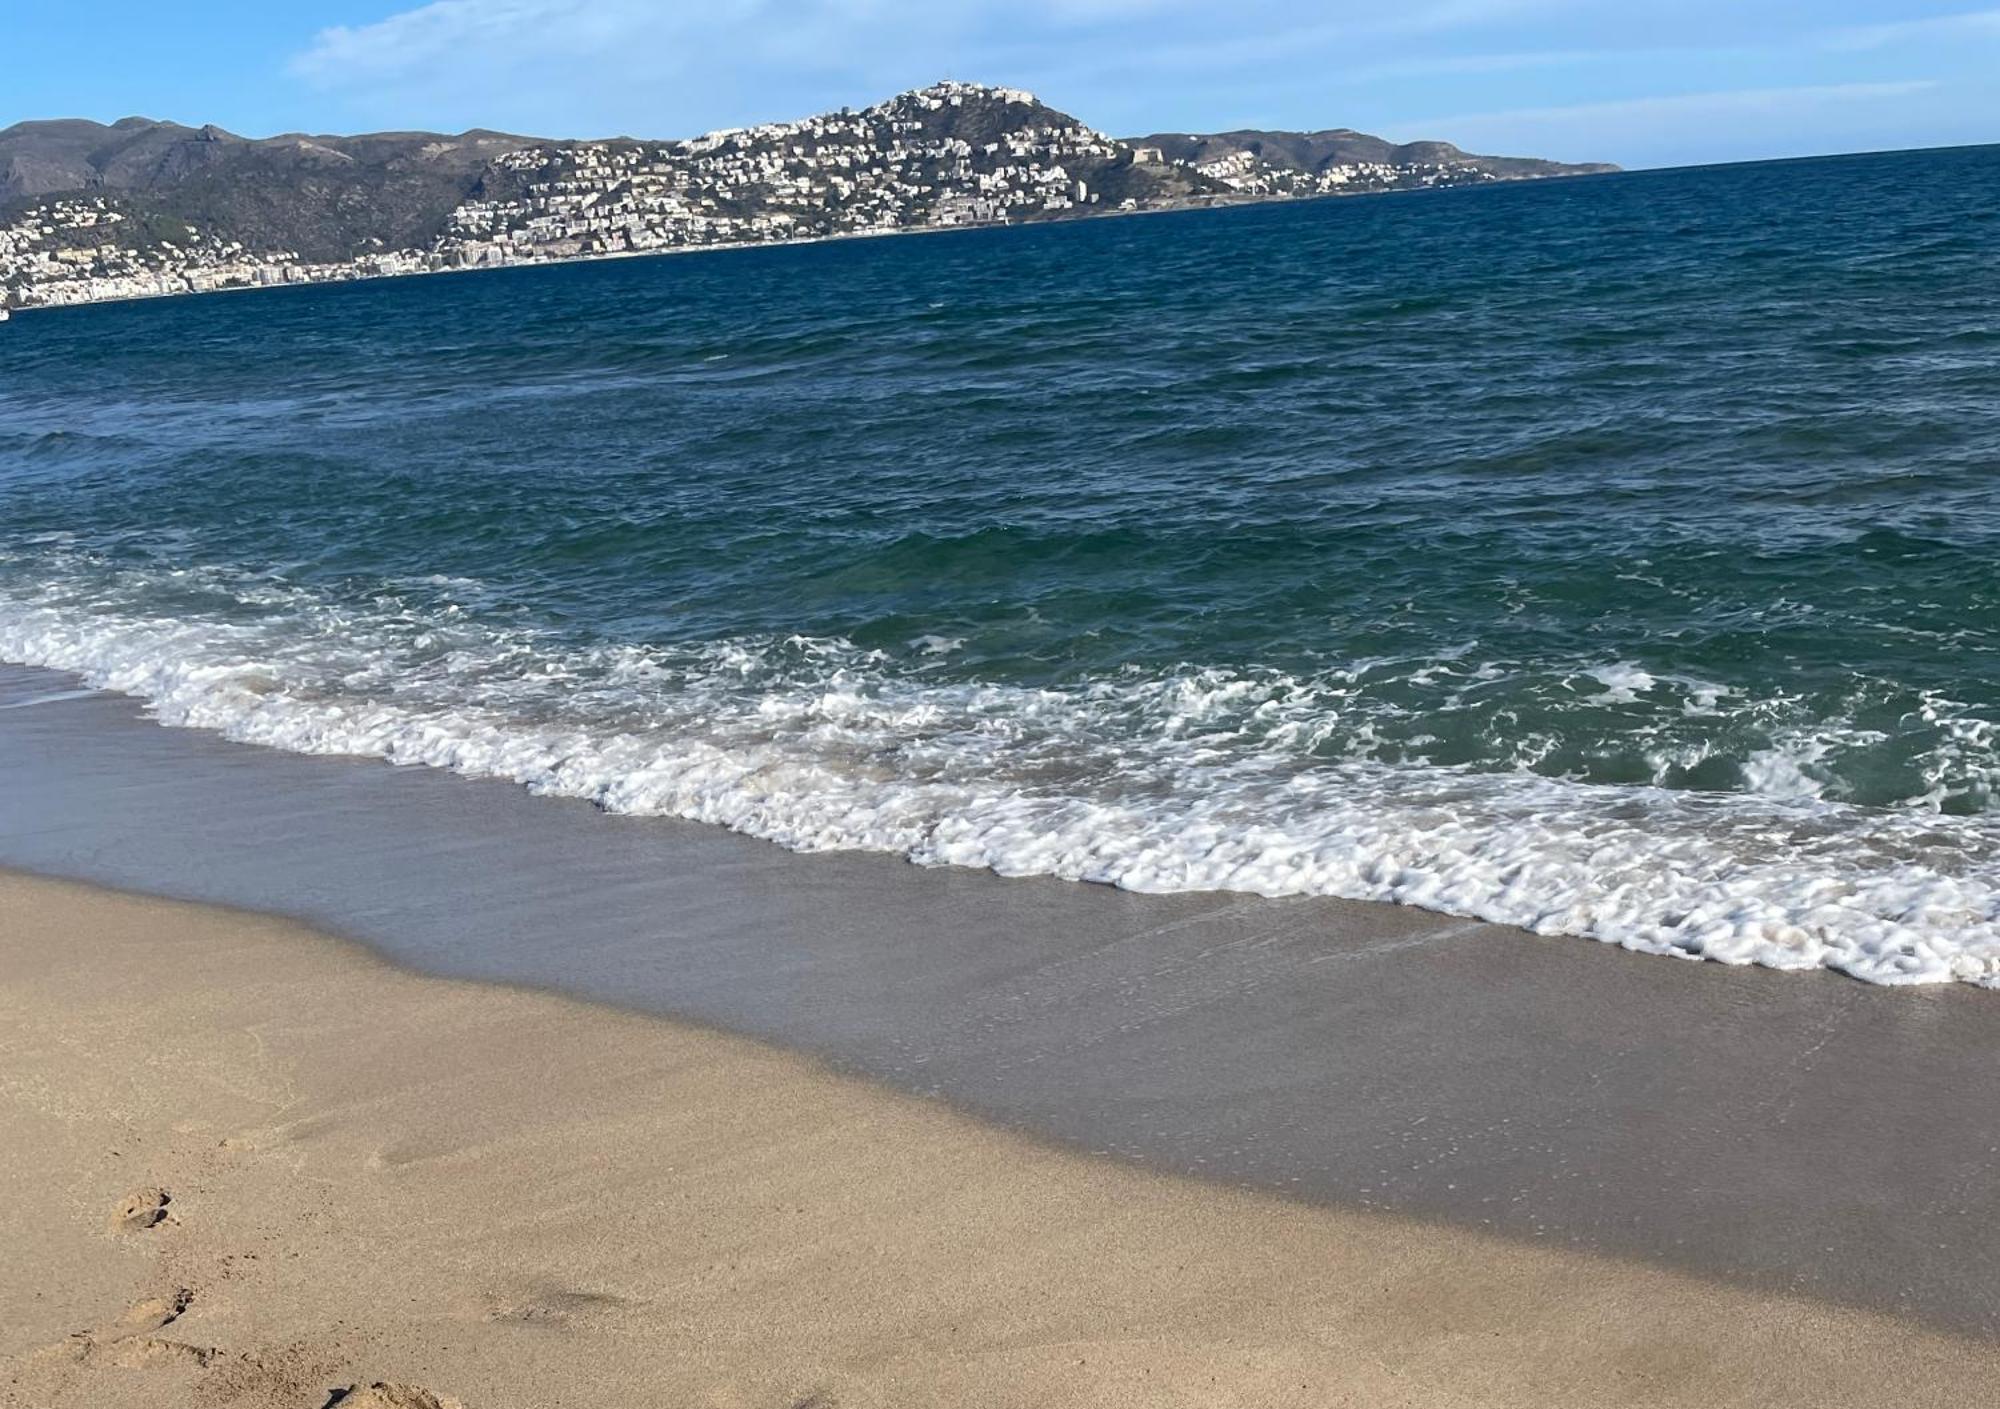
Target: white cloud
[1445, 15]
[1447, 65]
[1267, 42]
[593, 67]
[1740, 100]
[1967, 24]
[661, 67]
[462, 32]
[1736, 122]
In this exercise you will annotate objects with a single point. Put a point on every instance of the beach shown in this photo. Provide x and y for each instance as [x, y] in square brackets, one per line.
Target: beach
[1789, 1134]
[1348, 802]
[511, 1198]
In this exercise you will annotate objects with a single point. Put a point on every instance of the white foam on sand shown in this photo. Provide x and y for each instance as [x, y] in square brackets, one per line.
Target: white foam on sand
[1185, 780]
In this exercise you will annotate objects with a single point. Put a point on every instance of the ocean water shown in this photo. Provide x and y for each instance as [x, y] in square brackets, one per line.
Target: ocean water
[1616, 557]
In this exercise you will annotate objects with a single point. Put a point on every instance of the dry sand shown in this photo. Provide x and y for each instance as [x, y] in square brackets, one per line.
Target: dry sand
[248, 1165]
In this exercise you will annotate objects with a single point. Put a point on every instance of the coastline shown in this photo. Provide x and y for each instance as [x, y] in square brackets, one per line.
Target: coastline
[1781, 1134]
[371, 1175]
[1212, 203]
[1216, 203]
[1009, 825]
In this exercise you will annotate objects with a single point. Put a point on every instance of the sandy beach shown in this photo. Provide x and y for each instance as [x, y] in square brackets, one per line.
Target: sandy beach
[1784, 1134]
[251, 1165]
[1372, 803]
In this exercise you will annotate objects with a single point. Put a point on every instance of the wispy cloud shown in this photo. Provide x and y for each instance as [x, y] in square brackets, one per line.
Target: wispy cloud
[1501, 70]
[599, 65]
[1740, 100]
[1445, 15]
[1337, 32]
[1719, 125]
[1963, 25]
[464, 33]
[584, 67]
[1448, 65]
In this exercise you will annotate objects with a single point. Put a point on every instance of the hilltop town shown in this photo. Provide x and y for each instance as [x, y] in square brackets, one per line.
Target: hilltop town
[141, 209]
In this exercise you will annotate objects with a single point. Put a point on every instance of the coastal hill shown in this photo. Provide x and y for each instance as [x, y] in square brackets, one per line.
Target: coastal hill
[1283, 160]
[141, 208]
[323, 197]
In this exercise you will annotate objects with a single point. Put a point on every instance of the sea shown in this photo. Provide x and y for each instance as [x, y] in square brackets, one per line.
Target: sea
[1616, 557]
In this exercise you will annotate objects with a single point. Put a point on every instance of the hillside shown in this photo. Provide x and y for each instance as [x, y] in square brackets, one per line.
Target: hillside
[323, 197]
[1282, 162]
[140, 208]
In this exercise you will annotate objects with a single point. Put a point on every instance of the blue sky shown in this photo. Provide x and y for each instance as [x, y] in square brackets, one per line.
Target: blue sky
[1632, 81]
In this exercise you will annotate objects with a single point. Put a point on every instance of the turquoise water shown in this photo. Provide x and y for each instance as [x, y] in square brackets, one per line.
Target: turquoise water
[1614, 556]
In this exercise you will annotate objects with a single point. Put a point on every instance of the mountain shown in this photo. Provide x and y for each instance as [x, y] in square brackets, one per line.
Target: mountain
[1279, 162]
[139, 208]
[322, 197]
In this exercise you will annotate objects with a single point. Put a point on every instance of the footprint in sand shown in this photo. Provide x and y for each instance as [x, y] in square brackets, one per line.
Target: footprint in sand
[552, 1306]
[141, 1209]
[382, 1395]
[131, 1339]
[142, 1352]
[147, 1316]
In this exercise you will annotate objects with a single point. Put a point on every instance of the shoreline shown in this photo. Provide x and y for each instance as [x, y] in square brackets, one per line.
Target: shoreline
[1753, 1129]
[510, 1197]
[1208, 204]
[1600, 876]
[719, 248]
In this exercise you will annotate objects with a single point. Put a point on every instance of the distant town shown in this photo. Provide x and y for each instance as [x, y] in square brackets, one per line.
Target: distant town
[141, 209]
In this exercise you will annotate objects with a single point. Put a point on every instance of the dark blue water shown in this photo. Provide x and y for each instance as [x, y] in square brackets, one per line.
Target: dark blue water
[1613, 556]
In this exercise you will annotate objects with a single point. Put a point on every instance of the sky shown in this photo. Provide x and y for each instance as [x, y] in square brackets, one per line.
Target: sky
[1639, 82]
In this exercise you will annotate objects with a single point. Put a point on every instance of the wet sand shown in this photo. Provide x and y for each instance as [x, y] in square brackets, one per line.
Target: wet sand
[1791, 1135]
[252, 1166]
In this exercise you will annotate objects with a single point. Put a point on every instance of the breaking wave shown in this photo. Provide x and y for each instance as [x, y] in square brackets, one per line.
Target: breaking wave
[1186, 779]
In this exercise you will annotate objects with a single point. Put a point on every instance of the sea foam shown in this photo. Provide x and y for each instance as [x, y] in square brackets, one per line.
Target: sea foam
[1169, 781]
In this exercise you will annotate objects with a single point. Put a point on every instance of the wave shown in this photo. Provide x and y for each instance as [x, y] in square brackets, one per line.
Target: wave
[1188, 779]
